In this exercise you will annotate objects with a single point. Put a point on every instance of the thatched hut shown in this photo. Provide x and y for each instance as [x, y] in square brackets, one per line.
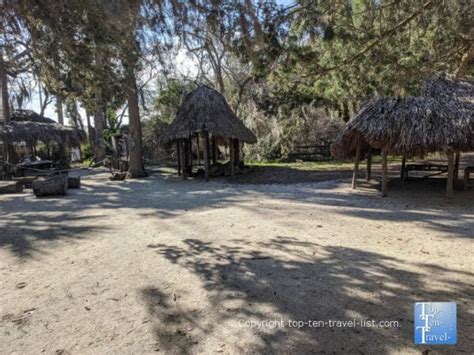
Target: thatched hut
[204, 113]
[440, 121]
[29, 127]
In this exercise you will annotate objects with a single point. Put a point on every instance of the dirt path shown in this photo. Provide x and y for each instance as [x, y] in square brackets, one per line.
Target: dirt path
[189, 267]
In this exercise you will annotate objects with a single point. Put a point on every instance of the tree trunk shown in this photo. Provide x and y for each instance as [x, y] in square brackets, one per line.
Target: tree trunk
[62, 148]
[5, 108]
[90, 132]
[136, 168]
[59, 109]
[99, 144]
[51, 185]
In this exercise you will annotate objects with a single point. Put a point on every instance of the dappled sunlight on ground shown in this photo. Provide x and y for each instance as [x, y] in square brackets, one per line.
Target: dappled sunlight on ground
[188, 266]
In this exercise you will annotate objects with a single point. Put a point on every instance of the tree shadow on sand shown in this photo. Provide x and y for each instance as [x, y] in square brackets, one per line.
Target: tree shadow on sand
[287, 279]
[24, 218]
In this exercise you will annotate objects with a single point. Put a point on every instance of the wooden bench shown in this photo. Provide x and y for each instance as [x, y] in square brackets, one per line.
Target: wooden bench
[435, 169]
[310, 153]
[467, 181]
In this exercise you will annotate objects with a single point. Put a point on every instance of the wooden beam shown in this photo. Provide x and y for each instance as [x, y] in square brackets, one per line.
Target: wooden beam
[356, 164]
[384, 173]
[232, 158]
[206, 155]
[403, 168]
[178, 155]
[369, 165]
[449, 184]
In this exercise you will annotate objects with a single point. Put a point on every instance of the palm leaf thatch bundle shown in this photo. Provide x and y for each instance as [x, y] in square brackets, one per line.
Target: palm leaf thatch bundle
[414, 126]
[29, 127]
[205, 109]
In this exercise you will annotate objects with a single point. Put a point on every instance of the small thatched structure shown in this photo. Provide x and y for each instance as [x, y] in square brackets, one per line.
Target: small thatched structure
[30, 116]
[29, 127]
[411, 126]
[206, 110]
[440, 121]
[204, 114]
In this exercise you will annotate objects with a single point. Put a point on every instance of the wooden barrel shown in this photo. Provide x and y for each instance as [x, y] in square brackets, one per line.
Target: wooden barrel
[51, 185]
[74, 182]
[10, 187]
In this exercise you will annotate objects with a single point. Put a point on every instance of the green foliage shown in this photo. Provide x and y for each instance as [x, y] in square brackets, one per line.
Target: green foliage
[289, 71]
[113, 126]
[87, 154]
[348, 51]
[167, 103]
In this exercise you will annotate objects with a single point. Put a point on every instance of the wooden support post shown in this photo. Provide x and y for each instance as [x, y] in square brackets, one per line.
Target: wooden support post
[198, 150]
[232, 158]
[403, 168]
[178, 155]
[369, 165]
[186, 154]
[206, 155]
[190, 148]
[214, 151]
[183, 159]
[237, 152]
[456, 165]
[384, 173]
[356, 165]
[449, 184]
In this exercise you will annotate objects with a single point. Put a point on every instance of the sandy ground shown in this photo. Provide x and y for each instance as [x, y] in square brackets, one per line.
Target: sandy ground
[191, 267]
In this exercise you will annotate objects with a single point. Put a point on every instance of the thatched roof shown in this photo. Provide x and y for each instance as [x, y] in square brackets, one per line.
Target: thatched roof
[31, 116]
[29, 127]
[446, 87]
[414, 126]
[205, 109]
